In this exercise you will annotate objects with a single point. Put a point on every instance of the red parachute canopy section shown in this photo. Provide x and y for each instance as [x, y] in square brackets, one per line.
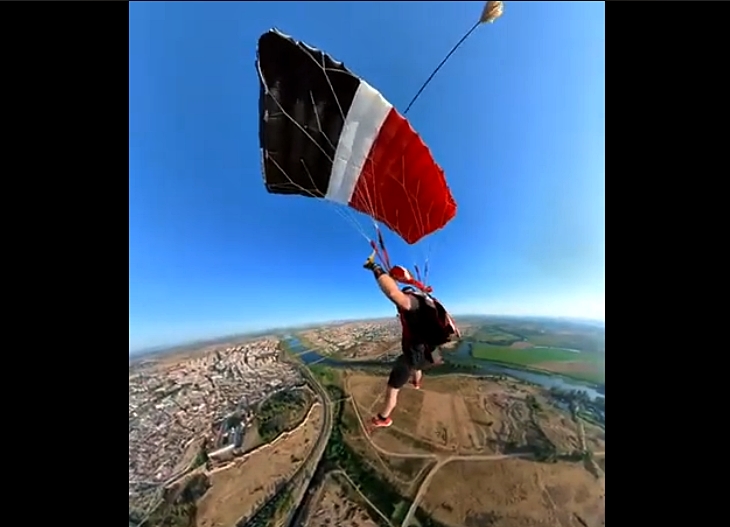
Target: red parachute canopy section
[326, 133]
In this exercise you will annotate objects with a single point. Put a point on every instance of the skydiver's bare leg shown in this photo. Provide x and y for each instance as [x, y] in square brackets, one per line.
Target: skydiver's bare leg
[391, 400]
[396, 380]
[417, 376]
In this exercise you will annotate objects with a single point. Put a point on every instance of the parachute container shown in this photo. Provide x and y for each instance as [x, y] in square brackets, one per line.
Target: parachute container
[326, 133]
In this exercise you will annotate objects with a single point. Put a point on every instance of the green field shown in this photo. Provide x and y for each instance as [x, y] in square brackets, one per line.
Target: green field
[523, 356]
[553, 334]
[590, 343]
[495, 336]
[585, 366]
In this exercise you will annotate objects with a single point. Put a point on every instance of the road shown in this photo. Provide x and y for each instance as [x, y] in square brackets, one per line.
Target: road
[318, 449]
[307, 470]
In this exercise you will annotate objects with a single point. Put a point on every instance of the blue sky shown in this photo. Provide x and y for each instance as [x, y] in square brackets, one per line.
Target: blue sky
[515, 118]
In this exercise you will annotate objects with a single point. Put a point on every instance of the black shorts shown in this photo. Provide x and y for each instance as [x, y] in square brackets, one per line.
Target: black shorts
[403, 366]
[400, 373]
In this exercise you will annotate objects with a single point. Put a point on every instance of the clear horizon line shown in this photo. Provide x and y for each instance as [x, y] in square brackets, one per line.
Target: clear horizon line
[204, 340]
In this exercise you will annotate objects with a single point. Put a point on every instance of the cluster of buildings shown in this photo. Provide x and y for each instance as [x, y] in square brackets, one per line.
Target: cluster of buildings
[229, 438]
[336, 339]
[171, 410]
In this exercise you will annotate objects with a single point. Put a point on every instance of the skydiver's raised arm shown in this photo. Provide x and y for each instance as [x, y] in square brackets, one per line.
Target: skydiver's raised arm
[390, 288]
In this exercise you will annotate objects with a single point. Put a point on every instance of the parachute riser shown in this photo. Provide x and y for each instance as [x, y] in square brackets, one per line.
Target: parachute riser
[423, 278]
[381, 253]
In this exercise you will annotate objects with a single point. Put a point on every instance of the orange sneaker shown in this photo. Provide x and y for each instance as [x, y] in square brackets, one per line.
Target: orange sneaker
[378, 422]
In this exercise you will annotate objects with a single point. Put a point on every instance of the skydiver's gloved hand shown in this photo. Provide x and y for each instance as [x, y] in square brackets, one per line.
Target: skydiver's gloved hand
[371, 265]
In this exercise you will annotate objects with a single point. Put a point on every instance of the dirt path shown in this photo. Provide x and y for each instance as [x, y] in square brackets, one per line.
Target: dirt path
[357, 489]
[427, 480]
[366, 434]
[582, 432]
[440, 462]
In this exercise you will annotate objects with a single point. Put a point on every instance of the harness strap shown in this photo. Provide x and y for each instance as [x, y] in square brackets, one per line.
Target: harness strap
[404, 326]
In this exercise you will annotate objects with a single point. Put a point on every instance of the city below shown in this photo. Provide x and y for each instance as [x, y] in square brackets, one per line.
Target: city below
[172, 408]
[235, 434]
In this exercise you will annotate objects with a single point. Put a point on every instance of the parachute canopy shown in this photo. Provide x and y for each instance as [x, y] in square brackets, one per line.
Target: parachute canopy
[326, 133]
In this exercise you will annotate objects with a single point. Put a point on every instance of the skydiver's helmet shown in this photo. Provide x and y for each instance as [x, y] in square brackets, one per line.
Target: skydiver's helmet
[403, 275]
[400, 274]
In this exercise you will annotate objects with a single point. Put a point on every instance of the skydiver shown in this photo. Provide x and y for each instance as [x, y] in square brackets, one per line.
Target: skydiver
[425, 326]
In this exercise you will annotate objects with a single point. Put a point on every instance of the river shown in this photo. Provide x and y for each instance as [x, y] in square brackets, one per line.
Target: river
[460, 356]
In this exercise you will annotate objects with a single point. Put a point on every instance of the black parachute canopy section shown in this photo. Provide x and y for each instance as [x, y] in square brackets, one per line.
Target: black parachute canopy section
[299, 149]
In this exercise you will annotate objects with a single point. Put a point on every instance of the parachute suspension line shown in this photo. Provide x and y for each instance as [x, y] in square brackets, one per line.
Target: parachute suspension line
[381, 243]
[378, 254]
[323, 68]
[492, 11]
[380, 249]
[421, 273]
[286, 114]
[368, 197]
[381, 253]
[427, 263]
[423, 277]
[343, 211]
[345, 214]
